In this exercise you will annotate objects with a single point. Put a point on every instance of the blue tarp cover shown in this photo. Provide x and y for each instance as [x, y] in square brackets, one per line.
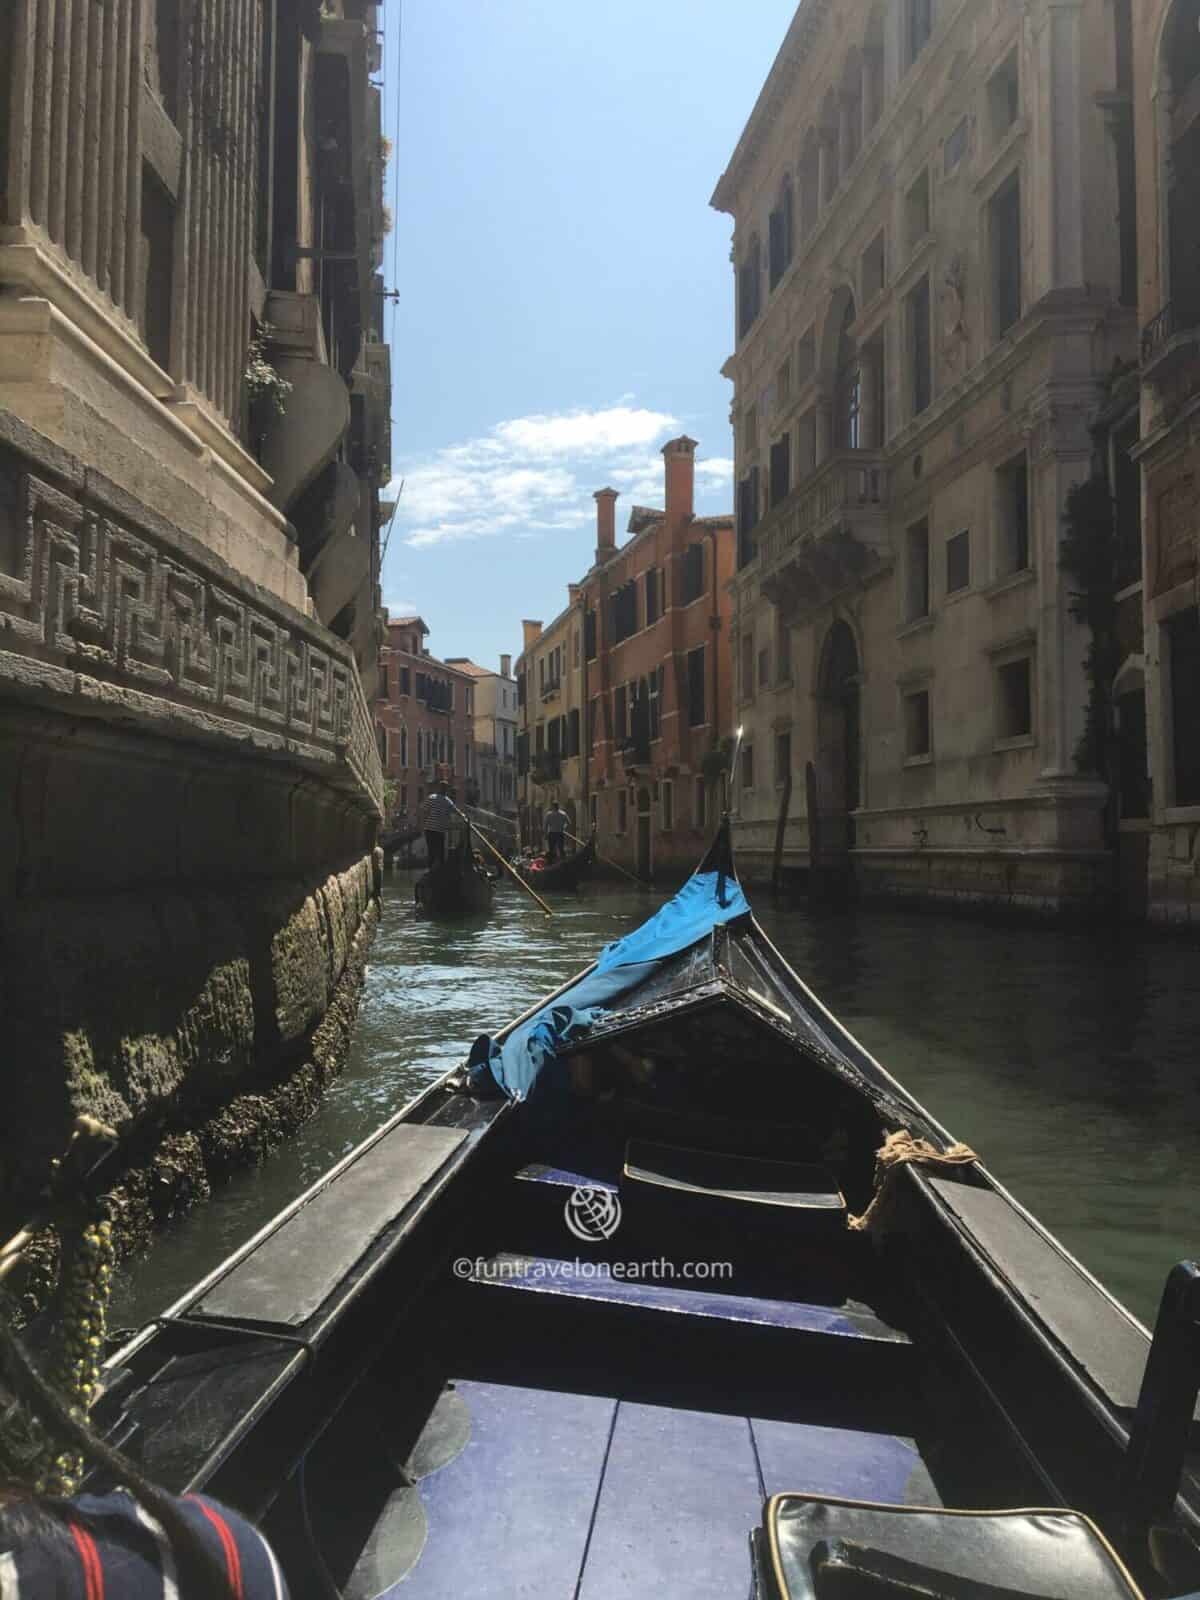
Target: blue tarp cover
[706, 901]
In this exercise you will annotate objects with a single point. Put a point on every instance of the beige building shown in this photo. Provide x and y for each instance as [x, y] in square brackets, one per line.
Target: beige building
[193, 433]
[549, 710]
[495, 786]
[1166, 134]
[928, 224]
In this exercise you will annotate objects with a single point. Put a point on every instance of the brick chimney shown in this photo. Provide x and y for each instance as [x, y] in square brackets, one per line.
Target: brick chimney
[531, 632]
[606, 523]
[572, 594]
[506, 666]
[679, 456]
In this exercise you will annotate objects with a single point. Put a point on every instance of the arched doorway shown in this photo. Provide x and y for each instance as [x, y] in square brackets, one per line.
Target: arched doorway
[643, 834]
[838, 743]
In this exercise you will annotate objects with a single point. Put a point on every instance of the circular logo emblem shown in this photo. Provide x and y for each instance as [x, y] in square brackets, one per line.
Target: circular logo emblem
[592, 1214]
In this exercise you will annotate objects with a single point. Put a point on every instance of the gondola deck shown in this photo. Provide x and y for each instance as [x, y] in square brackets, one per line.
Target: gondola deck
[434, 1385]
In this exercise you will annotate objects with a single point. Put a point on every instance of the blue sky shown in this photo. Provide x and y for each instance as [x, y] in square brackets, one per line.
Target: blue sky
[566, 293]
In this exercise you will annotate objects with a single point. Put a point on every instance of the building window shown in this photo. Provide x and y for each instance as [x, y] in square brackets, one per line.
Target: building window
[652, 609]
[916, 212]
[1012, 515]
[917, 741]
[692, 563]
[655, 702]
[918, 19]
[403, 745]
[695, 683]
[593, 722]
[847, 400]
[620, 724]
[920, 357]
[750, 431]
[806, 357]
[624, 611]
[1014, 699]
[589, 636]
[592, 808]
[750, 288]
[764, 668]
[622, 809]
[575, 652]
[572, 733]
[1183, 658]
[747, 666]
[958, 562]
[405, 681]
[783, 383]
[781, 468]
[667, 801]
[783, 652]
[779, 234]
[747, 774]
[1004, 97]
[747, 516]
[1004, 243]
[158, 267]
[783, 757]
[700, 808]
[873, 270]
[956, 145]
[916, 542]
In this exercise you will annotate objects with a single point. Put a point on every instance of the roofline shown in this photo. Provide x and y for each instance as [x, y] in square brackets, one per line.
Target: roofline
[797, 42]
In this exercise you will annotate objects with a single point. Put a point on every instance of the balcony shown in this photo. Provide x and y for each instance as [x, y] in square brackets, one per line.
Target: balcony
[545, 769]
[550, 689]
[830, 533]
[1170, 350]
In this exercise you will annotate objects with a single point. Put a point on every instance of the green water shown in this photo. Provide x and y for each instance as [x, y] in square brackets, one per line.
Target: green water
[1067, 1059]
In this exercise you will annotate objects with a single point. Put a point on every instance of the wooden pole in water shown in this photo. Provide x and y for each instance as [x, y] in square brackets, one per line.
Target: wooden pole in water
[605, 860]
[513, 874]
[780, 826]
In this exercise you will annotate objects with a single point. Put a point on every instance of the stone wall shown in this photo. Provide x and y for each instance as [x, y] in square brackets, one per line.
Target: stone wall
[188, 873]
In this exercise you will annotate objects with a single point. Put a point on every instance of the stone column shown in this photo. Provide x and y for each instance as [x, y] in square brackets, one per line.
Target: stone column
[1055, 101]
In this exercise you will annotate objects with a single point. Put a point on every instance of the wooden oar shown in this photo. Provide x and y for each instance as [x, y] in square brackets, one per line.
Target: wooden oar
[512, 872]
[605, 860]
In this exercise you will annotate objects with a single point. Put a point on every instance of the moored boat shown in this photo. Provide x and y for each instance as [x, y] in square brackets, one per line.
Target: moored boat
[564, 875]
[457, 886]
[669, 1289]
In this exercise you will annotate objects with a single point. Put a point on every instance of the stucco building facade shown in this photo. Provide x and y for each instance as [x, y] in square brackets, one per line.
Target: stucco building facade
[655, 676]
[193, 432]
[1166, 128]
[549, 719]
[931, 224]
[495, 734]
[425, 716]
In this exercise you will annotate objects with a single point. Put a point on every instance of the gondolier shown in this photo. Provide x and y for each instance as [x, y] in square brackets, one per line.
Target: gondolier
[437, 819]
[556, 825]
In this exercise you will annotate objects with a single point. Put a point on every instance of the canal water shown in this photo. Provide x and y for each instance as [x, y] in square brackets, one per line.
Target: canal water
[1067, 1058]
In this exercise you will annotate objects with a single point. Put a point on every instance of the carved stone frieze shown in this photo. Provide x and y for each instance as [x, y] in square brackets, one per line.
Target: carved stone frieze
[86, 588]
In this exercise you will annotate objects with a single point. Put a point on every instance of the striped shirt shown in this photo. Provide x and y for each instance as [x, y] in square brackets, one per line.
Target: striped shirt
[117, 1551]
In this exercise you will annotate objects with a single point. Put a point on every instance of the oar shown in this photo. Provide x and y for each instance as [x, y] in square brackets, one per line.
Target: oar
[516, 876]
[606, 861]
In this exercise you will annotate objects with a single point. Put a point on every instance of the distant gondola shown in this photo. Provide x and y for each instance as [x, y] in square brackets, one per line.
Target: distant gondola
[455, 887]
[566, 874]
[496, 1351]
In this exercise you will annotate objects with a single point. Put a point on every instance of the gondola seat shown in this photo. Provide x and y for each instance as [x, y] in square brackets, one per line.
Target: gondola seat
[816, 1548]
[663, 1182]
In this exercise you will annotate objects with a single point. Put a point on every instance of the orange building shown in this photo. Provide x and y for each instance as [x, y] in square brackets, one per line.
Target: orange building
[656, 675]
[424, 719]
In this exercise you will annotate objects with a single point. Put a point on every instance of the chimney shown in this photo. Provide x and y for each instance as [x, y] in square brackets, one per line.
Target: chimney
[606, 523]
[531, 632]
[506, 666]
[679, 456]
[572, 594]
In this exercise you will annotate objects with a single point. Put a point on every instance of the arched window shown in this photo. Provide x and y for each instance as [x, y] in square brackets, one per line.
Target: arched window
[848, 386]
[831, 175]
[750, 287]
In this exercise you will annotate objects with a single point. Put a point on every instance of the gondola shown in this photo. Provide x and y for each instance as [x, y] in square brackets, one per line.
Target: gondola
[564, 875]
[456, 886]
[589, 1318]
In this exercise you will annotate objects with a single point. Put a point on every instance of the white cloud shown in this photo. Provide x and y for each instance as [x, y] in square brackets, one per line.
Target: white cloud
[533, 477]
[401, 608]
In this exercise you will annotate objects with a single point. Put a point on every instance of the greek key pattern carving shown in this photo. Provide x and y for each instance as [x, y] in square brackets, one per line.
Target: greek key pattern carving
[96, 595]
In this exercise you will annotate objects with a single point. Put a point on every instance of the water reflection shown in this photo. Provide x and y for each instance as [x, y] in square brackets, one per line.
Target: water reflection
[1066, 1058]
